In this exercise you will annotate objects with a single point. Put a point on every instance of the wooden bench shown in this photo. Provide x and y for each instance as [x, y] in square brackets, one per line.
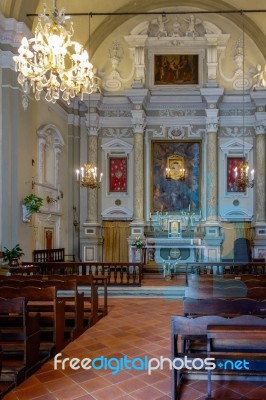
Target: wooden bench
[88, 283]
[20, 339]
[258, 293]
[185, 331]
[66, 290]
[237, 348]
[6, 383]
[211, 291]
[223, 307]
[52, 322]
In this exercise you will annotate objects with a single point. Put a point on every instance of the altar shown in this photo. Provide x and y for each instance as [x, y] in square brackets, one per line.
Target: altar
[175, 238]
[177, 250]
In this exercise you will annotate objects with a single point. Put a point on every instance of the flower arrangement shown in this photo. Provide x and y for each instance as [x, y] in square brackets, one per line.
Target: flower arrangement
[138, 243]
[32, 203]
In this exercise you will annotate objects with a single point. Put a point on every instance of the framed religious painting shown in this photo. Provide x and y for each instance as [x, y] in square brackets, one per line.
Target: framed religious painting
[176, 176]
[118, 170]
[233, 164]
[176, 69]
[48, 238]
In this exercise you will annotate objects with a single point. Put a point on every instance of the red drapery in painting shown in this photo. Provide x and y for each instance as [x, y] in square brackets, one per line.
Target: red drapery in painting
[118, 174]
[232, 163]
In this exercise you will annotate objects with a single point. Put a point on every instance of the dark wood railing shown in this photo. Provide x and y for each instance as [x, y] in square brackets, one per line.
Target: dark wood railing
[117, 273]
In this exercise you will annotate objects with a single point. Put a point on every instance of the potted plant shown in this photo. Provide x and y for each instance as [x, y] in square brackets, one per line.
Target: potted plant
[13, 255]
[31, 204]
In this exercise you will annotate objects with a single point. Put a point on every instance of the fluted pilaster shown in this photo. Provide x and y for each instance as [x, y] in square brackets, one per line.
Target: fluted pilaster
[260, 174]
[212, 169]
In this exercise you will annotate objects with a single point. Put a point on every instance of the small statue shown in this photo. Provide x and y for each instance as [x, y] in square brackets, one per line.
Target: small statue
[161, 21]
[260, 78]
[191, 30]
[176, 28]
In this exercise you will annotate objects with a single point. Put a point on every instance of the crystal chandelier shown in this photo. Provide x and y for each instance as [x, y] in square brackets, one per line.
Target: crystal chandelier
[88, 176]
[242, 178]
[53, 62]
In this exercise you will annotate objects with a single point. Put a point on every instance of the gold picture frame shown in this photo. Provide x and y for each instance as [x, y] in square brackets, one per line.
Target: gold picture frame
[174, 228]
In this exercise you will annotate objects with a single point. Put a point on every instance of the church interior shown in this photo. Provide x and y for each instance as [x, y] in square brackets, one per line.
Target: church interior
[144, 127]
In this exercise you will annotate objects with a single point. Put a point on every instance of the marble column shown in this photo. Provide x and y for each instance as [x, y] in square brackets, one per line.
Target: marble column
[212, 171]
[93, 158]
[260, 174]
[138, 119]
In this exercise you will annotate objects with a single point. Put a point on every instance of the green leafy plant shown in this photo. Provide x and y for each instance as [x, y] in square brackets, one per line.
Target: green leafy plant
[138, 243]
[10, 254]
[33, 203]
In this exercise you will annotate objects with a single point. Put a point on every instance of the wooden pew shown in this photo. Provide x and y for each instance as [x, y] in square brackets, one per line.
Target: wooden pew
[185, 331]
[6, 383]
[223, 307]
[20, 338]
[52, 321]
[92, 310]
[66, 290]
[211, 291]
[237, 343]
[250, 283]
[258, 293]
[87, 282]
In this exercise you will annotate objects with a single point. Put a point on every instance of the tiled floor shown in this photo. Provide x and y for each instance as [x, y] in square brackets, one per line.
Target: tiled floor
[133, 328]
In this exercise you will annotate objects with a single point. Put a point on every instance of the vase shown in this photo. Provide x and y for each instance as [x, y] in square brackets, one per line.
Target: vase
[13, 262]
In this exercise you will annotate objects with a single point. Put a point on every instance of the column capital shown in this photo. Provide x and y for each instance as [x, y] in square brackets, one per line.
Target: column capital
[260, 128]
[260, 123]
[138, 120]
[92, 124]
[212, 125]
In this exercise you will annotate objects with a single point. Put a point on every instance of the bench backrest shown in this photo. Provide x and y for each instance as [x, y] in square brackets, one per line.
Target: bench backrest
[31, 293]
[224, 307]
[198, 326]
[258, 293]
[12, 306]
[215, 292]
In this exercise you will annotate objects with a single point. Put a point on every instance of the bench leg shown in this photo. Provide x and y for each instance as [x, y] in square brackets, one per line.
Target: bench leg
[209, 395]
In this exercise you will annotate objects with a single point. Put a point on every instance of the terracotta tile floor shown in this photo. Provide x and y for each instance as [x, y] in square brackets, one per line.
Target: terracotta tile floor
[133, 327]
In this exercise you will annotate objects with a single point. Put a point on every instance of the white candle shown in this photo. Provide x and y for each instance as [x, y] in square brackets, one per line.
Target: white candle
[252, 174]
[77, 173]
[189, 207]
